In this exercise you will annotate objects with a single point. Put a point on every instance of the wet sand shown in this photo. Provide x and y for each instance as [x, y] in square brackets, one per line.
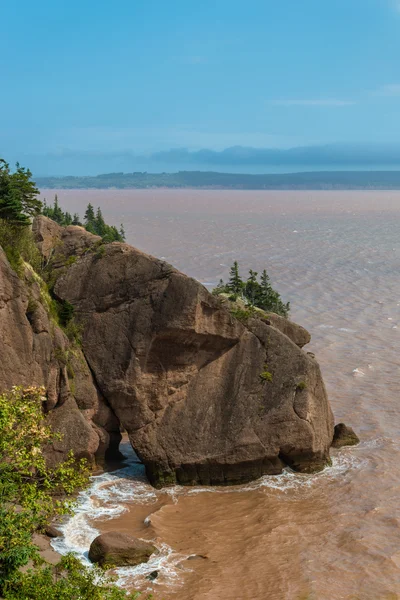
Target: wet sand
[336, 257]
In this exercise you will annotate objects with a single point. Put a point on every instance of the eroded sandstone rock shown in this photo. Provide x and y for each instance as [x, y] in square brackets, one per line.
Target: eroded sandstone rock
[344, 436]
[119, 550]
[35, 351]
[184, 377]
[204, 397]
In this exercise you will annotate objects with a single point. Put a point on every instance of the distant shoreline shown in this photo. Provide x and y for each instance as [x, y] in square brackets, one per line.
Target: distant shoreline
[210, 180]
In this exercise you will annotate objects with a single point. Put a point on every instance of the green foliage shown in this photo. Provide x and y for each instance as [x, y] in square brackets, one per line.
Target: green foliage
[18, 195]
[27, 484]
[301, 386]
[31, 493]
[65, 312]
[255, 293]
[235, 284]
[73, 331]
[68, 580]
[242, 314]
[101, 250]
[266, 375]
[93, 222]
[19, 246]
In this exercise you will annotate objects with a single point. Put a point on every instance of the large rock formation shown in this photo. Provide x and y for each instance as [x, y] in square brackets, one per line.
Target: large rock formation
[204, 398]
[35, 351]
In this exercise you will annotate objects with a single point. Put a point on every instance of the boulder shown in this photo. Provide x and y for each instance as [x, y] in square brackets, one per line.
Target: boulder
[187, 380]
[344, 436]
[205, 398]
[51, 531]
[119, 549]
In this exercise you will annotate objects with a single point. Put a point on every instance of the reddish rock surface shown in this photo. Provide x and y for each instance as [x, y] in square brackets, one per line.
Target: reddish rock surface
[166, 360]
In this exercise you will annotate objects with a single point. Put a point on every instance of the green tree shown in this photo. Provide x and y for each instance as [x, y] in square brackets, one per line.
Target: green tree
[235, 283]
[26, 482]
[99, 223]
[26, 190]
[58, 215]
[18, 195]
[252, 288]
[76, 220]
[269, 299]
[89, 218]
[254, 293]
[31, 492]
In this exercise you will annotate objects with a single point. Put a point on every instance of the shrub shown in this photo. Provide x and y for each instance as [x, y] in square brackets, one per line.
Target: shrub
[301, 385]
[19, 246]
[30, 494]
[266, 375]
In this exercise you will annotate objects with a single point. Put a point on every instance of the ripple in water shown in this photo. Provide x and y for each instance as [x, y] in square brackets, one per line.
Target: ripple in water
[112, 494]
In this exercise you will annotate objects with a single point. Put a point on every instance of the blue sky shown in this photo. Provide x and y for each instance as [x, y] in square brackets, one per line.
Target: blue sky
[147, 75]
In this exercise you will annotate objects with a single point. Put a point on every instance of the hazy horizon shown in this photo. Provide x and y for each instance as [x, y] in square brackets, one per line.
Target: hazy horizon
[237, 159]
[89, 89]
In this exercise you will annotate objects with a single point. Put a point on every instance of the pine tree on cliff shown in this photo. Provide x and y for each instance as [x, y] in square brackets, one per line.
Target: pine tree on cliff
[235, 284]
[76, 220]
[26, 190]
[18, 194]
[58, 215]
[252, 288]
[269, 299]
[89, 219]
[100, 224]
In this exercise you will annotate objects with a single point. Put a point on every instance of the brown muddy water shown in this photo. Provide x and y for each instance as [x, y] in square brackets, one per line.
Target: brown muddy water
[336, 535]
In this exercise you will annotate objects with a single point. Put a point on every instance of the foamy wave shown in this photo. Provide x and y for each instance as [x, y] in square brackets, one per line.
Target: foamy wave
[109, 492]
[358, 373]
[106, 498]
[287, 480]
[167, 563]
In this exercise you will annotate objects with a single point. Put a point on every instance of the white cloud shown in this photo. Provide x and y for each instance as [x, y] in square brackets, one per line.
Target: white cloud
[392, 89]
[314, 102]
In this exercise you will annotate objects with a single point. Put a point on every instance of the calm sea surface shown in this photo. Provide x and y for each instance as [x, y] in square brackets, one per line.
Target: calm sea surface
[336, 535]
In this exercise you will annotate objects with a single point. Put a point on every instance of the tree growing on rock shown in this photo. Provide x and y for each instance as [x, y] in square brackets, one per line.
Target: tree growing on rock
[18, 195]
[255, 293]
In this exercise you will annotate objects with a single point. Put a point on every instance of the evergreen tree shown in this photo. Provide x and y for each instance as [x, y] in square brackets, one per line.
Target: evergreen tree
[235, 284]
[76, 219]
[58, 215]
[18, 195]
[67, 218]
[259, 294]
[26, 190]
[252, 288]
[89, 218]
[11, 210]
[122, 233]
[99, 224]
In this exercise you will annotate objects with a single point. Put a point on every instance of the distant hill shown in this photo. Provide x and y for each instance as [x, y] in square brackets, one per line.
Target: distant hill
[327, 180]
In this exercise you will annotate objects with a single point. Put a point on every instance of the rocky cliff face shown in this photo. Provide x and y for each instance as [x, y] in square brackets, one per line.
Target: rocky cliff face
[204, 398]
[35, 351]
